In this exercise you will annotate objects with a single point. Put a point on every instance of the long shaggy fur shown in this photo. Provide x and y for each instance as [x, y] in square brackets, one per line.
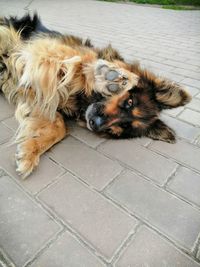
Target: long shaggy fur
[45, 73]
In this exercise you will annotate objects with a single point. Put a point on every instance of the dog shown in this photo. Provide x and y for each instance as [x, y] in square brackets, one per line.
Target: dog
[49, 76]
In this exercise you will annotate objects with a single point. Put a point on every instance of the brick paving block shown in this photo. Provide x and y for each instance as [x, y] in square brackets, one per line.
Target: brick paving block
[46, 172]
[191, 82]
[190, 116]
[173, 112]
[67, 251]
[173, 217]
[5, 133]
[186, 183]
[85, 136]
[96, 219]
[144, 141]
[150, 249]
[194, 104]
[91, 166]
[6, 110]
[11, 123]
[139, 158]
[194, 62]
[25, 227]
[157, 65]
[181, 151]
[181, 128]
[187, 73]
[181, 65]
[174, 77]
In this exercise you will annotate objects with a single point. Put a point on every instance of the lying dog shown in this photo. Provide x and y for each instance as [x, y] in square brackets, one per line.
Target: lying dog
[47, 74]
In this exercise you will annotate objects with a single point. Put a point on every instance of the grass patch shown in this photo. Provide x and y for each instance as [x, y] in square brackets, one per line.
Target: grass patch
[175, 7]
[168, 2]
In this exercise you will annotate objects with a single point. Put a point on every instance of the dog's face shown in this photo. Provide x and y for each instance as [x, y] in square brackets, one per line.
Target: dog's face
[135, 113]
[127, 115]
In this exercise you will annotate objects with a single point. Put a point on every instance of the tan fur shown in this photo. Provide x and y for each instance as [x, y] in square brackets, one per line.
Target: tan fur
[35, 136]
[42, 77]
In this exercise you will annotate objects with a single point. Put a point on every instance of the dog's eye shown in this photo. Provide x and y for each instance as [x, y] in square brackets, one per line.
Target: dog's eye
[128, 103]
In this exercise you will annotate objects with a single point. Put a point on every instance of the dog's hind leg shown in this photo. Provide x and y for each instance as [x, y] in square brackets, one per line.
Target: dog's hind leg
[35, 136]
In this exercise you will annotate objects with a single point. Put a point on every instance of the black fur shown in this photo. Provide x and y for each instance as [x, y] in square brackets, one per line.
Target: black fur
[28, 25]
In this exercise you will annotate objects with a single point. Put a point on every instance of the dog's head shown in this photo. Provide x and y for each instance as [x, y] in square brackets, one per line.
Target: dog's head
[135, 113]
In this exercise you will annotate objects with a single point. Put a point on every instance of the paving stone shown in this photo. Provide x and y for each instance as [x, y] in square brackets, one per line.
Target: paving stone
[174, 112]
[194, 104]
[174, 77]
[187, 73]
[186, 183]
[91, 166]
[96, 219]
[11, 123]
[181, 65]
[181, 151]
[67, 250]
[5, 133]
[140, 159]
[153, 64]
[149, 249]
[47, 171]
[190, 116]
[191, 82]
[85, 136]
[6, 110]
[173, 217]
[25, 227]
[148, 41]
[181, 128]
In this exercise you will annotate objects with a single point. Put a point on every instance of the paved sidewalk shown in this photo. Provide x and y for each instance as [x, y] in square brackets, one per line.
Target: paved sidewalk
[93, 202]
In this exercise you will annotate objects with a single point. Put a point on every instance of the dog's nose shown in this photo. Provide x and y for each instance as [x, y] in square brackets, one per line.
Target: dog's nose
[96, 123]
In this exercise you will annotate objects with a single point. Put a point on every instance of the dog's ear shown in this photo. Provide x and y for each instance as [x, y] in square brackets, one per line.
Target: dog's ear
[170, 94]
[160, 131]
[109, 53]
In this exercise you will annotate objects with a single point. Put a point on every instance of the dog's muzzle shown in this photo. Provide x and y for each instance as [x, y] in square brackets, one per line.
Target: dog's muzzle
[93, 119]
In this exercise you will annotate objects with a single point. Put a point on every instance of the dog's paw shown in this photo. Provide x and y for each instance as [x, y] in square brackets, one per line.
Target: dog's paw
[26, 158]
[111, 79]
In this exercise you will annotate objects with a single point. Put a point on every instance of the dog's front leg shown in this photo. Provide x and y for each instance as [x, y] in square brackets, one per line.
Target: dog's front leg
[35, 136]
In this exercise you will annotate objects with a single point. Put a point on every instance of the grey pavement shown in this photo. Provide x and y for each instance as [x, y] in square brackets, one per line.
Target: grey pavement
[94, 202]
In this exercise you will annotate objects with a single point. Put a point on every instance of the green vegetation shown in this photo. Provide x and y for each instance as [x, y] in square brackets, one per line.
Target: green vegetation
[167, 4]
[175, 7]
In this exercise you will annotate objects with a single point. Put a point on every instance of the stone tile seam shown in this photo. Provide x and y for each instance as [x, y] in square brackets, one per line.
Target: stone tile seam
[66, 225]
[145, 222]
[33, 199]
[175, 160]
[171, 177]
[163, 188]
[44, 247]
[121, 249]
[5, 259]
[196, 247]
[80, 178]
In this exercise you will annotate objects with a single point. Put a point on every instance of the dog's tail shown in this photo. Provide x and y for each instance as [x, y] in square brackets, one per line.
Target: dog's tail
[28, 25]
